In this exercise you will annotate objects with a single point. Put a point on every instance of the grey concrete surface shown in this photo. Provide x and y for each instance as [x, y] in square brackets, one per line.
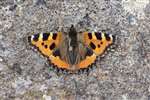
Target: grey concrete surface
[123, 74]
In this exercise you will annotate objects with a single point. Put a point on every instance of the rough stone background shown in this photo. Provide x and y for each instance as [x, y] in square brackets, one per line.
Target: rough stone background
[121, 75]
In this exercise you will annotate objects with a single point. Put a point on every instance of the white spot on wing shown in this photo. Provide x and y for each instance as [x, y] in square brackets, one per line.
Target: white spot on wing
[32, 37]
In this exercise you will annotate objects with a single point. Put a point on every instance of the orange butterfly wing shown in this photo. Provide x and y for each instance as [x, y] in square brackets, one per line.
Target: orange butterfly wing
[47, 44]
[97, 42]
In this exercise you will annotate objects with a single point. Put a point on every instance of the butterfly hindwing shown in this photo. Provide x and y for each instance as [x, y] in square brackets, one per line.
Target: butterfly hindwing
[90, 58]
[55, 59]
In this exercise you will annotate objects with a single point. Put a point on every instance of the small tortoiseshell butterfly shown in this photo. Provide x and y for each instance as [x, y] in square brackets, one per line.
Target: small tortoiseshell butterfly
[72, 51]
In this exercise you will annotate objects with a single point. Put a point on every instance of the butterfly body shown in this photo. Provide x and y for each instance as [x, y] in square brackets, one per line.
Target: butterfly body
[72, 51]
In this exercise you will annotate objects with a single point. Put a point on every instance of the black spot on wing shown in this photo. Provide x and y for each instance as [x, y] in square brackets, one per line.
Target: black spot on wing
[90, 35]
[45, 36]
[92, 45]
[52, 46]
[98, 35]
[42, 43]
[54, 36]
[36, 37]
[56, 53]
[45, 46]
[107, 37]
[89, 52]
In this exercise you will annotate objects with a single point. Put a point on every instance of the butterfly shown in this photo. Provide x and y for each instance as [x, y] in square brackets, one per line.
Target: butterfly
[74, 51]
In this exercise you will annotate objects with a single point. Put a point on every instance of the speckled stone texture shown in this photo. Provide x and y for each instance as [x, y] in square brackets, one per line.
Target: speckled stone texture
[123, 74]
